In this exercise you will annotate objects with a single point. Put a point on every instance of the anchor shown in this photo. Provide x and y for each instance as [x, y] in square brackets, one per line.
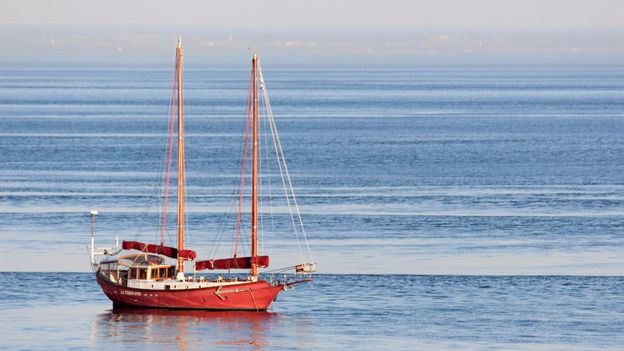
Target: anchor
[216, 292]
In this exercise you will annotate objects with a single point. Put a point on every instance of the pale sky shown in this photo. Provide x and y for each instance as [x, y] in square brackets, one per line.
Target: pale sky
[334, 31]
[319, 13]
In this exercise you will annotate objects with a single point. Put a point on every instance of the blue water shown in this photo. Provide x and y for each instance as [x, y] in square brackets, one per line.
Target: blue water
[335, 312]
[513, 171]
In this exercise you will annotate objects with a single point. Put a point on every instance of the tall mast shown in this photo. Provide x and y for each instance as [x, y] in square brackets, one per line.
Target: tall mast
[254, 175]
[180, 159]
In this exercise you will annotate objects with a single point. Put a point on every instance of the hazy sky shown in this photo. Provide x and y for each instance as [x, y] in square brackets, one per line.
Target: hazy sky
[320, 13]
[329, 31]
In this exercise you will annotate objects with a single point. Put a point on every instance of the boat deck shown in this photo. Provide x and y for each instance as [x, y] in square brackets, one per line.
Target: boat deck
[178, 285]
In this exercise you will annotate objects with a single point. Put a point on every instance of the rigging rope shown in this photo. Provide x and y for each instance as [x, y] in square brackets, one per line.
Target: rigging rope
[268, 179]
[166, 201]
[242, 187]
[155, 204]
[280, 157]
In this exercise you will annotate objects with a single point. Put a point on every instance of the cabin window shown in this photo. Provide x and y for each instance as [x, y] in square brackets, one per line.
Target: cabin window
[143, 273]
[162, 273]
[132, 273]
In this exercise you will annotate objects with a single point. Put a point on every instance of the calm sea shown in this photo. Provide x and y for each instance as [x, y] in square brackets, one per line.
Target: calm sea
[335, 312]
[447, 207]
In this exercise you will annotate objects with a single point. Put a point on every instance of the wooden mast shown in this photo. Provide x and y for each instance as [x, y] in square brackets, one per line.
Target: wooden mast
[180, 160]
[254, 175]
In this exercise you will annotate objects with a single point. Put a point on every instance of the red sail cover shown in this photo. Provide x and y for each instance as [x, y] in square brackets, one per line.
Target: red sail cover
[232, 263]
[188, 254]
[158, 249]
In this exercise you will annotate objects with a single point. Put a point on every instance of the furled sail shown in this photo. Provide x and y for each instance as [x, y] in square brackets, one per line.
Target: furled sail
[232, 263]
[158, 249]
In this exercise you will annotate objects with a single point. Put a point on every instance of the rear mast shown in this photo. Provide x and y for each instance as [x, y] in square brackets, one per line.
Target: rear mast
[180, 267]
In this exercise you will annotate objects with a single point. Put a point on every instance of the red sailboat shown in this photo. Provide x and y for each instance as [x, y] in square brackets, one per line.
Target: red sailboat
[138, 274]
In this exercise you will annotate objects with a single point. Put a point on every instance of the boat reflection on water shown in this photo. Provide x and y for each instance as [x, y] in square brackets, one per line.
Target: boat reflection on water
[184, 329]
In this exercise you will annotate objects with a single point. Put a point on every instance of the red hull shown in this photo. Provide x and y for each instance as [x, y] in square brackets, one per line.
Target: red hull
[252, 296]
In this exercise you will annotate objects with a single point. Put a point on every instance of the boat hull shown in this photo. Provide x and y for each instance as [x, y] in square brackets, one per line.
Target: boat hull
[249, 296]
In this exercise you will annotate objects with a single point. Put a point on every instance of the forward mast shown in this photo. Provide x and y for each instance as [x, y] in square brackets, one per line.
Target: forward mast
[254, 174]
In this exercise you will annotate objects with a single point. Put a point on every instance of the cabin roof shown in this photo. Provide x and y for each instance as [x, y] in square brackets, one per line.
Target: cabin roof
[141, 260]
